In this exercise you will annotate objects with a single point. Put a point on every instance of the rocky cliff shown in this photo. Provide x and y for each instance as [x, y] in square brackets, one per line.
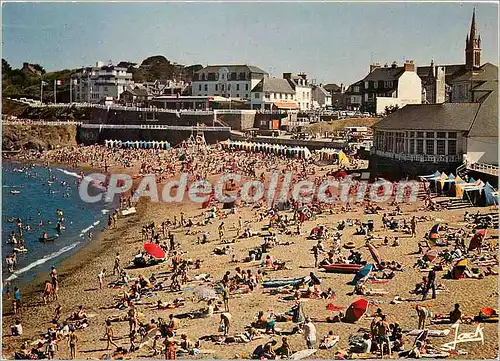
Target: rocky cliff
[38, 137]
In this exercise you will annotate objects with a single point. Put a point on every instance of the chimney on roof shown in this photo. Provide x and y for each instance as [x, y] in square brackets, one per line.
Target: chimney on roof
[374, 66]
[386, 65]
[302, 75]
[342, 88]
[394, 65]
[287, 75]
[409, 65]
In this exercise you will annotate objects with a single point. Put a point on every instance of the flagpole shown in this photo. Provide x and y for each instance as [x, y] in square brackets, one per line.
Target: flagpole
[55, 91]
[41, 92]
[71, 91]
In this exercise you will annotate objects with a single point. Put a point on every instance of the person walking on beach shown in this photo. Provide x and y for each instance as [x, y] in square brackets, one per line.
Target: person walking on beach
[72, 340]
[413, 227]
[51, 348]
[225, 296]
[383, 335]
[225, 322]
[132, 317]
[7, 289]
[109, 335]
[48, 290]
[316, 256]
[221, 231]
[55, 282]
[431, 284]
[100, 277]
[16, 303]
[309, 333]
[116, 266]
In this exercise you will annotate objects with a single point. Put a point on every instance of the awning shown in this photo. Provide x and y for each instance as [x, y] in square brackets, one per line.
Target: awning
[285, 105]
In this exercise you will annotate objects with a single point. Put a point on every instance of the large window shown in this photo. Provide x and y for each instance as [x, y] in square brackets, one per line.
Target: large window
[429, 134]
[206, 87]
[246, 87]
[429, 147]
[420, 134]
[452, 135]
[452, 147]
[256, 95]
[199, 87]
[441, 147]
[420, 146]
[216, 87]
[412, 146]
[441, 135]
[237, 86]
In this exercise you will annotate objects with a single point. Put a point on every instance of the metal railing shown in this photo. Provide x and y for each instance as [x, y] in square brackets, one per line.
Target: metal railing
[484, 168]
[419, 157]
[157, 127]
[39, 122]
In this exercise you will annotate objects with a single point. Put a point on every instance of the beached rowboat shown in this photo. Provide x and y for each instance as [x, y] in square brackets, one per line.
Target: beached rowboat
[342, 268]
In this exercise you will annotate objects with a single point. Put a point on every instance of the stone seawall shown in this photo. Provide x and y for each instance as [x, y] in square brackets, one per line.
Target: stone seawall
[392, 169]
[93, 136]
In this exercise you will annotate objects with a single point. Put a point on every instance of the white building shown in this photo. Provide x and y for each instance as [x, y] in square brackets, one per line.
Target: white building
[408, 90]
[273, 93]
[300, 85]
[229, 81]
[98, 83]
[321, 98]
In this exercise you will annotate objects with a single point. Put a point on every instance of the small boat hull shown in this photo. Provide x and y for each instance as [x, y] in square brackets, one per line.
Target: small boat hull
[342, 268]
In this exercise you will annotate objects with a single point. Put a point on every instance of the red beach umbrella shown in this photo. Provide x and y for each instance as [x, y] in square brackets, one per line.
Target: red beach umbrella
[154, 250]
[477, 239]
[356, 310]
[431, 255]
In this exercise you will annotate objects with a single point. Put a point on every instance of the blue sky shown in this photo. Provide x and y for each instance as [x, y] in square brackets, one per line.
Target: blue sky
[332, 42]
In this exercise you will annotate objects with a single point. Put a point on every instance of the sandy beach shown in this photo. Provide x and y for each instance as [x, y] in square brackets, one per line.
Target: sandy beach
[79, 285]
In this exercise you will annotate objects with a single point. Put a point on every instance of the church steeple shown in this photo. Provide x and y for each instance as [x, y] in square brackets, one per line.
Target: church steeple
[473, 46]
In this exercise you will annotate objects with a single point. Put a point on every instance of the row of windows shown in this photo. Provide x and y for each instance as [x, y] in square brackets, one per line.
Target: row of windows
[222, 87]
[439, 135]
[378, 84]
[395, 143]
[215, 76]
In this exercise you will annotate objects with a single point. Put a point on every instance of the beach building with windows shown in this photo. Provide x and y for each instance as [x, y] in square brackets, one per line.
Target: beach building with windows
[101, 82]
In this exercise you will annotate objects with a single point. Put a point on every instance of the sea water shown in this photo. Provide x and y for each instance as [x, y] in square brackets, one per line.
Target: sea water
[42, 191]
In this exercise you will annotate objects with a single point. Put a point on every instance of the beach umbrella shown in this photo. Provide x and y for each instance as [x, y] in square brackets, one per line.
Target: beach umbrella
[363, 273]
[356, 310]
[137, 144]
[373, 251]
[154, 250]
[431, 255]
[205, 293]
[477, 239]
[434, 233]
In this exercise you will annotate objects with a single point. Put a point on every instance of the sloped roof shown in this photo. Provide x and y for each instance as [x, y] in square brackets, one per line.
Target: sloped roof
[486, 122]
[486, 72]
[273, 85]
[384, 74]
[446, 116]
[322, 90]
[332, 87]
[450, 71]
[232, 68]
